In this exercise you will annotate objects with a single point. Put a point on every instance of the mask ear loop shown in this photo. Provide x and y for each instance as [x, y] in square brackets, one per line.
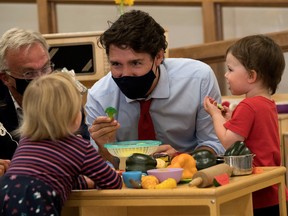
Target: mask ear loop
[153, 65]
[157, 69]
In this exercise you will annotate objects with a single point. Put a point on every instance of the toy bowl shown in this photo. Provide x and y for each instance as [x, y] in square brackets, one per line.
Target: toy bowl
[127, 148]
[165, 173]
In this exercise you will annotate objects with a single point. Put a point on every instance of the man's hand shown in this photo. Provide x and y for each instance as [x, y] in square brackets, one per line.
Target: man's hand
[4, 164]
[166, 149]
[104, 131]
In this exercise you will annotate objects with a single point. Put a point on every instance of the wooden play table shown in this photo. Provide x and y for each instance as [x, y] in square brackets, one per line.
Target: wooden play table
[232, 199]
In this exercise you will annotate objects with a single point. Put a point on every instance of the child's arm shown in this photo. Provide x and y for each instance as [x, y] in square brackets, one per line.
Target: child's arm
[4, 164]
[82, 183]
[225, 136]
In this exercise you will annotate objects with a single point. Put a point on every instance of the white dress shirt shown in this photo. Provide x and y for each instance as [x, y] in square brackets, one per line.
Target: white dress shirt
[177, 108]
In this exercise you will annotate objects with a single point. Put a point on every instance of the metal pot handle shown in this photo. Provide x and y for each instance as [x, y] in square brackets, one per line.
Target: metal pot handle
[219, 159]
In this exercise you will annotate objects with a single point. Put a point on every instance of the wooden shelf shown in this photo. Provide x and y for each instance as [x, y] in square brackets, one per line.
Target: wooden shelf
[213, 49]
[211, 11]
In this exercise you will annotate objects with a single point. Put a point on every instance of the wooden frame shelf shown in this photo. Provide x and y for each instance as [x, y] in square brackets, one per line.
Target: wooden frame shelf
[214, 52]
[211, 51]
[211, 11]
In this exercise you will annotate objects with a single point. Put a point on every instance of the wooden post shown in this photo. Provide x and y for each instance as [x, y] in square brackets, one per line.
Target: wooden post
[47, 16]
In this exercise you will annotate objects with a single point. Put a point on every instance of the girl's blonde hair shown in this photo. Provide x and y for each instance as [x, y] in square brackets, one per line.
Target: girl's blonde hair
[51, 104]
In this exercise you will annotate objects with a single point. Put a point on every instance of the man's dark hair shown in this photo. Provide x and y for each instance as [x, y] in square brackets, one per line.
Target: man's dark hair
[137, 30]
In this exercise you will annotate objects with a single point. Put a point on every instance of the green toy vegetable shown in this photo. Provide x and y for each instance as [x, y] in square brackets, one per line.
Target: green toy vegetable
[140, 162]
[110, 111]
[237, 148]
[204, 158]
[220, 107]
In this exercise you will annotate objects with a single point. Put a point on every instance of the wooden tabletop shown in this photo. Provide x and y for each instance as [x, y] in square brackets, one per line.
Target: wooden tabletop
[121, 196]
[213, 201]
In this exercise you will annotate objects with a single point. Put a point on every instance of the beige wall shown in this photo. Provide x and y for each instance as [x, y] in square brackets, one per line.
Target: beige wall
[183, 23]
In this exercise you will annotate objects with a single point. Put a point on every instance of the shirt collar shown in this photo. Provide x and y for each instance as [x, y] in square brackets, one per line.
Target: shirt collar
[17, 106]
[18, 109]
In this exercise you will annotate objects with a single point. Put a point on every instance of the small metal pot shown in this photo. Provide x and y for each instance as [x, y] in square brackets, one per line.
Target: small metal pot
[241, 164]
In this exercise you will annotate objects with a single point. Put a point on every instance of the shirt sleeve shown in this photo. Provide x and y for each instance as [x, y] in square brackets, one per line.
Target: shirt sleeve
[80, 183]
[92, 113]
[83, 130]
[96, 168]
[242, 120]
[204, 125]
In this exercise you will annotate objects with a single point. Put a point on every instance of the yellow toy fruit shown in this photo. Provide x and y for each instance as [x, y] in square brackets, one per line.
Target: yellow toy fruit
[149, 182]
[167, 184]
[160, 163]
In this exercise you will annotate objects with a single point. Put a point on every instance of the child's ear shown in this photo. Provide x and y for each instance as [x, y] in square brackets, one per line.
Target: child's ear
[252, 76]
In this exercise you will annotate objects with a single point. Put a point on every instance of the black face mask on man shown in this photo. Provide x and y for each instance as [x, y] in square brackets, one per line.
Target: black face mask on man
[21, 84]
[135, 87]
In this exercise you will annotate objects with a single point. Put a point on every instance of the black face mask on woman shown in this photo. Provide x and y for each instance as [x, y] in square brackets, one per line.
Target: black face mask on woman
[135, 87]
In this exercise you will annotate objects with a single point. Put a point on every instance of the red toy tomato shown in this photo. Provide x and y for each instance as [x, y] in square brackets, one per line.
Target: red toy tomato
[226, 103]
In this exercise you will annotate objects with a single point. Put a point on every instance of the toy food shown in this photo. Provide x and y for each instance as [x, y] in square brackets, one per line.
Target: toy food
[110, 111]
[185, 161]
[163, 157]
[204, 158]
[221, 179]
[219, 106]
[257, 170]
[160, 163]
[141, 162]
[237, 148]
[167, 184]
[205, 177]
[149, 182]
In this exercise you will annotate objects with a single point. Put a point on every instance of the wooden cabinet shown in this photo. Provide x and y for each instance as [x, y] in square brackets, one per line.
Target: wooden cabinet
[285, 150]
[232, 199]
[283, 131]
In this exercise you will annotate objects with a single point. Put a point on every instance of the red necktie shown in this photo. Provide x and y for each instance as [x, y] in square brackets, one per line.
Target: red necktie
[145, 125]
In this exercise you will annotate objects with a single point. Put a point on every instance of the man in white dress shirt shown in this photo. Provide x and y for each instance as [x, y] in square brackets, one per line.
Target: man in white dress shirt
[135, 45]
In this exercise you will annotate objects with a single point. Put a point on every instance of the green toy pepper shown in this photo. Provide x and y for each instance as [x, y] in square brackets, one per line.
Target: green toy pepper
[204, 158]
[237, 148]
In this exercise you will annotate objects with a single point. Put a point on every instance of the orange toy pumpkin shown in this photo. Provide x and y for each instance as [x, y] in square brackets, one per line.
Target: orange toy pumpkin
[187, 162]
